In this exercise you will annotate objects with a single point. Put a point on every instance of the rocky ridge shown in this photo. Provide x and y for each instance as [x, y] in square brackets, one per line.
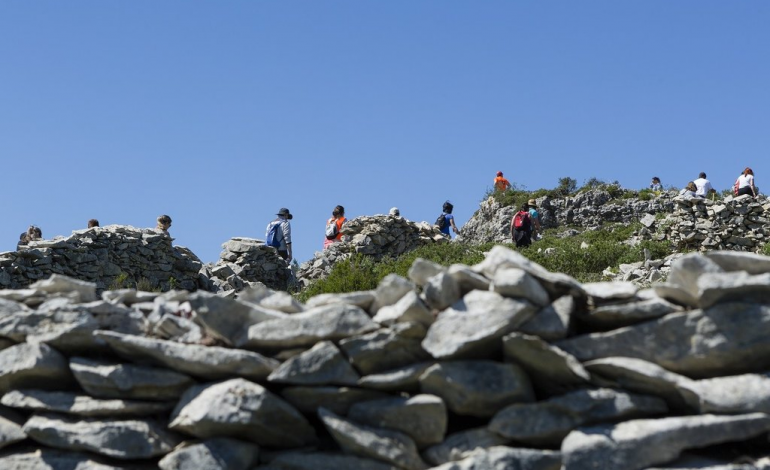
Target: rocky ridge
[376, 236]
[499, 365]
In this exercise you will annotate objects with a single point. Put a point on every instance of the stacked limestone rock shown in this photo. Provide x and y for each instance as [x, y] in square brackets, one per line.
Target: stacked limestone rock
[102, 254]
[247, 262]
[739, 223]
[376, 236]
[499, 365]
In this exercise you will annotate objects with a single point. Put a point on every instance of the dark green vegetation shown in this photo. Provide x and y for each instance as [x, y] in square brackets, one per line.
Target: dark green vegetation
[605, 249]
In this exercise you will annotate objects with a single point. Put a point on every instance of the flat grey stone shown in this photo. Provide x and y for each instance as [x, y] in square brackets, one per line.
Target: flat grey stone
[477, 388]
[626, 446]
[421, 417]
[731, 261]
[441, 291]
[686, 270]
[323, 364]
[212, 454]
[557, 284]
[639, 376]
[207, 362]
[390, 290]
[456, 445]
[409, 309]
[402, 379]
[546, 423]
[747, 393]
[265, 297]
[517, 283]
[32, 366]
[616, 290]
[699, 343]
[386, 349]
[508, 458]
[468, 279]
[550, 368]
[10, 432]
[241, 409]
[81, 405]
[629, 313]
[553, 321]
[390, 446]
[59, 284]
[70, 328]
[53, 459]
[332, 323]
[227, 319]
[120, 439]
[473, 326]
[324, 461]
[336, 399]
[740, 286]
[422, 270]
[129, 381]
[361, 299]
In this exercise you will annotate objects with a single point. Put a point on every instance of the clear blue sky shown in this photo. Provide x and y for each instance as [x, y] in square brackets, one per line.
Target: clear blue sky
[220, 113]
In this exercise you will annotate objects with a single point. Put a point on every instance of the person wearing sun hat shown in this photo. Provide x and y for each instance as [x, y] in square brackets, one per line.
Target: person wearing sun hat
[501, 184]
[535, 216]
[283, 233]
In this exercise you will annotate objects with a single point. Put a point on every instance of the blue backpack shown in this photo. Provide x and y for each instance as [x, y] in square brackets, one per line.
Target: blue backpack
[272, 235]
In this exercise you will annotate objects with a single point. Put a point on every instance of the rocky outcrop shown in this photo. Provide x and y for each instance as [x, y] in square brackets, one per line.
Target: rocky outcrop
[375, 236]
[498, 365]
[246, 262]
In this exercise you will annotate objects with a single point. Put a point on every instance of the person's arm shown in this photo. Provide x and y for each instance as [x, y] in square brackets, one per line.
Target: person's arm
[454, 227]
[286, 226]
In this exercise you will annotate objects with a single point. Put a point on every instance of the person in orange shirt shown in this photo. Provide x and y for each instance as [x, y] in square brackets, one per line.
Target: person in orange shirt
[334, 234]
[501, 184]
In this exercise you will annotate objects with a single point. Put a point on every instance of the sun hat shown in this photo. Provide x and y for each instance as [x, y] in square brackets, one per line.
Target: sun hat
[532, 202]
[285, 212]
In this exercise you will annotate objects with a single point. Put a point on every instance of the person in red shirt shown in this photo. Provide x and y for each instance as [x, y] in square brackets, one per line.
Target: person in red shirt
[501, 184]
[338, 218]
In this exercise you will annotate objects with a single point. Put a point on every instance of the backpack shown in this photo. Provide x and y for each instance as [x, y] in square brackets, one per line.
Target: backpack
[272, 235]
[441, 221]
[736, 186]
[331, 230]
[521, 221]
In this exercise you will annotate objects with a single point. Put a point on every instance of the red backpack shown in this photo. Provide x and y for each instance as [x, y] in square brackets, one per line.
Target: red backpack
[521, 221]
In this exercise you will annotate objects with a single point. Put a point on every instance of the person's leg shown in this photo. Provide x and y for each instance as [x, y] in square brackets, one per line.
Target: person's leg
[745, 190]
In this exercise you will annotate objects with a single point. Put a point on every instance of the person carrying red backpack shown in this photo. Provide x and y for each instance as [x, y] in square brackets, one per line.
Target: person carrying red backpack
[521, 227]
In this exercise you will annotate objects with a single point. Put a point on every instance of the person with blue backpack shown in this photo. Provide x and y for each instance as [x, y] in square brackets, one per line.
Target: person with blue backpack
[278, 234]
[446, 220]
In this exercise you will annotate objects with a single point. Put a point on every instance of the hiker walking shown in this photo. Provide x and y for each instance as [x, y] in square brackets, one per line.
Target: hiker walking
[521, 227]
[534, 216]
[447, 220]
[334, 227]
[745, 183]
[703, 186]
[501, 184]
[278, 234]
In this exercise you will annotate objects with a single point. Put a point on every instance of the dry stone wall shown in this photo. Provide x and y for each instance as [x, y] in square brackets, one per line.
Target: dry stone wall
[246, 262]
[498, 365]
[102, 255]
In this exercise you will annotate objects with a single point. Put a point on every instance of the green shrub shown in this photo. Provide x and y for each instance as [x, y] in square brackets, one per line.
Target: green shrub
[121, 281]
[766, 249]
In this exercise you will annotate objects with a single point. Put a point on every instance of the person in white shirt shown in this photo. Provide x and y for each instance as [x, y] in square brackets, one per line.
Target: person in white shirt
[745, 183]
[703, 185]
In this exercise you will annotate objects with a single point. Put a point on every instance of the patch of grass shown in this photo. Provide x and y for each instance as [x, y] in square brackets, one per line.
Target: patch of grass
[360, 272]
[766, 249]
[126, 281]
